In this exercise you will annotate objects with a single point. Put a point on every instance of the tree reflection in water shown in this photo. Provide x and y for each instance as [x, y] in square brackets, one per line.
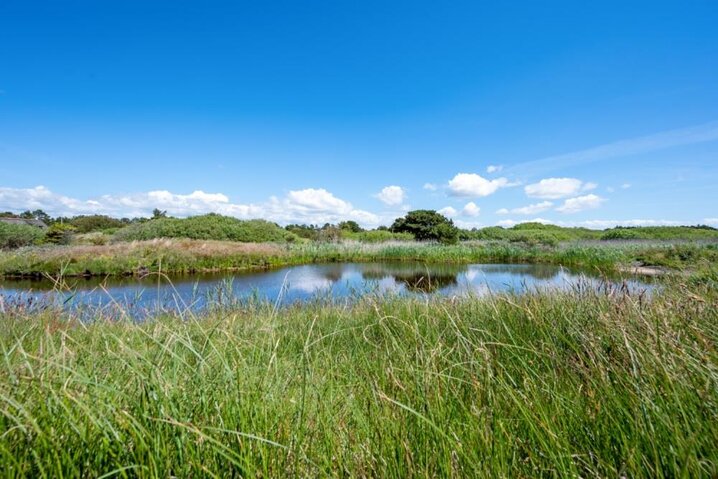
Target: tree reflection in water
[416, 278]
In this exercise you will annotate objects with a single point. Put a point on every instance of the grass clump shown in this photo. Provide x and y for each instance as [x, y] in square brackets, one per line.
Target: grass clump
[206, 227]
[574, 384]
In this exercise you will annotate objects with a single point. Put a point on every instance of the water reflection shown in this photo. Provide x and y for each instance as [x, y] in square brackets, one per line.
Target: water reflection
[337, 281]
[416, 278]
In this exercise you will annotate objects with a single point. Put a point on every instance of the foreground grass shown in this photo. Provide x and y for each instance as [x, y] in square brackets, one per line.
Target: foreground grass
[188, 256]
[564, 384]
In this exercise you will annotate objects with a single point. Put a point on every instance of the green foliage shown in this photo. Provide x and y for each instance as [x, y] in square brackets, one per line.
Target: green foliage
[88, 224]
[18, 235]
[208, 227]
[37, 215]
[59, 233]
[699, 232]
[534, 237]
[447, 233]
[309, 232]
[350, 225]
[377, 236]
[619, 234]
[427, 225]
[573, 384]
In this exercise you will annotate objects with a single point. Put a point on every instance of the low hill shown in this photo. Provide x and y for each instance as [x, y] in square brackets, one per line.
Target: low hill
[208, 227]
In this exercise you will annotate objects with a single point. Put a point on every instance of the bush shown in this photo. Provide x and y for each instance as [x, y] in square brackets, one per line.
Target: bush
[59, 233]
[619, 234]
[207, 227]
[377, 236]
[16, 236]
[427, 225]
[88, 224]
[534, 238]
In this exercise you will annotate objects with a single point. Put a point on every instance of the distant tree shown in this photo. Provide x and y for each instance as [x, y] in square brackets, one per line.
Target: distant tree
[304, 231]
[158, 213]
[329, 232]
[36, 215]
[427, 225]
[350, 225]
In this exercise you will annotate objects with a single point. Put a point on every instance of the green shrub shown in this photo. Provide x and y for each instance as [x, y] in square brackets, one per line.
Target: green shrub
[488, 233]
[427, 225]
[208, 227]
[377, 236]
[88, 224]
[619, 234]
[534, 238]
[59, 233]
[16, 236]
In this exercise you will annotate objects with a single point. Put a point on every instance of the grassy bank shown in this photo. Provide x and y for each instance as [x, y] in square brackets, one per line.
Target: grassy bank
[565, 385]
[186, 256]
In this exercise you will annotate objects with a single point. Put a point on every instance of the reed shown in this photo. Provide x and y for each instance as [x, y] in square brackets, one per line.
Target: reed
[187, 256]
[565, 384]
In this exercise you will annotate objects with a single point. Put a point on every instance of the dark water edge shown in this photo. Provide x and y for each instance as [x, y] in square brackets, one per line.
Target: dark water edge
[333, 282]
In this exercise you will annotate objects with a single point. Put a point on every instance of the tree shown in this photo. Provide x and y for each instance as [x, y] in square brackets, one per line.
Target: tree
[350, 225]
[427, 225]
[59, 233]
[158, 213]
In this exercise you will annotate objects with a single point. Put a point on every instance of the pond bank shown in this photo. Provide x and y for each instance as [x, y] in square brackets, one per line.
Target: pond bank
[139, 258]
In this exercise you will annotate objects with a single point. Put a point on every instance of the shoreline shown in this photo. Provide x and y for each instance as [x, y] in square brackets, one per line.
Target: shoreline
[180, 256]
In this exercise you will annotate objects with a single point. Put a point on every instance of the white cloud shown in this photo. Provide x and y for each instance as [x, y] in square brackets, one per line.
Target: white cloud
[554, 188]
[580, 203]
[710, 221]
[310, 205]
[430, 186]
[610, 189]
[473, 185]
[623, 148]
[448, 212]
[589, 186]
[391, 195]
[494, 168]
[317, 200]
[625, 186]
[527, 210]
[470, 209]
[467, 225]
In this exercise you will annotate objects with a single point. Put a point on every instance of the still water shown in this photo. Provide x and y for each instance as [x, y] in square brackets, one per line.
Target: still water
[337, 281]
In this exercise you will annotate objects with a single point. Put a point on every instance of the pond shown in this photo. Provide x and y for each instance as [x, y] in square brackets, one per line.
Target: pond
[336, 281]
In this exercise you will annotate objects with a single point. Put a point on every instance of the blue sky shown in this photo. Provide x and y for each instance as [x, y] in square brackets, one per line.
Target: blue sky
[321, 111]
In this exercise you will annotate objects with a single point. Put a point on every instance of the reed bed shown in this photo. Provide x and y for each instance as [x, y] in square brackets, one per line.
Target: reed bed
[589, 382]
[188, 256]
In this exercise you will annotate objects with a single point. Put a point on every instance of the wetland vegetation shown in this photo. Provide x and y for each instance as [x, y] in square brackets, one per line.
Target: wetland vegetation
[578, 381]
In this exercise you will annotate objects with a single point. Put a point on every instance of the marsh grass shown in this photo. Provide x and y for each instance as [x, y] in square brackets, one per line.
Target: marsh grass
[580, 383]
[190, 256]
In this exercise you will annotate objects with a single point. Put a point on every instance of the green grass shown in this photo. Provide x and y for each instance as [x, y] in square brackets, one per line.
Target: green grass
[559, 385]
[186, 256]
